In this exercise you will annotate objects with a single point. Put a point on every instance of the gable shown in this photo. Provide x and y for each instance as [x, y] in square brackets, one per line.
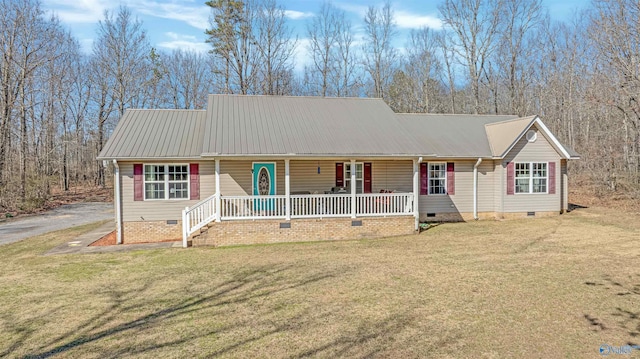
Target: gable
[539, 150]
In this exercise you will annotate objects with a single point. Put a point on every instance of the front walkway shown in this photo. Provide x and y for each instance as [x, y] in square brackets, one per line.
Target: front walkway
[81, 243]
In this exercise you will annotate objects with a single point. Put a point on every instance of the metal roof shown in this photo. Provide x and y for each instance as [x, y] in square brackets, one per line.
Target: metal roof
[142, 134]
[502, 135]
[237, 125]
[452, 135]
[250, 125]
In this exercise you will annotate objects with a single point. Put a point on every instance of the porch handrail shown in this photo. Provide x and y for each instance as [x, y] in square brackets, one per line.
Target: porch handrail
[253, 207]
[197, 216]
[384, 204]
[320, 205]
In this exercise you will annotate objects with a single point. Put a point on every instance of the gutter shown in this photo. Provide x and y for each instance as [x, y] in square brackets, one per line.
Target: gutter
[116, 200]
[475, 188]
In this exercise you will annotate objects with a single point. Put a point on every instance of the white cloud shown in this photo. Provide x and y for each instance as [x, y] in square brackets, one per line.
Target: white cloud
[359, 10]
[78, 11]
[196, 16]
[184, 42]
[301, 54]
[407, 20]
[297, 15]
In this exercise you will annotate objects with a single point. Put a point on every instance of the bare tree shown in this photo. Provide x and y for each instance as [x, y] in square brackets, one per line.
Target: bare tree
[378, 51]
[520, 18]
[475, 24]
[275, 45]
[122, 52]
[448, 56]
[187, 78]
[616, 35]
[120, 69]
[423, 68]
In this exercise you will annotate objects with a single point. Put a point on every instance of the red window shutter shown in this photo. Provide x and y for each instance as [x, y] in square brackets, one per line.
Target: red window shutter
[424, 190]
[367, 177]
[194, 181]
[511, 168]
[138, 182]
[451, 178]
[552, 177]
[339, 174]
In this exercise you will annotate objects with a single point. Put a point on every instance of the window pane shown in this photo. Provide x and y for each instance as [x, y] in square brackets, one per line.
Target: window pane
[358, 170]
[437, 178]
[178, 190]
[539, 185]
[522, 170]
[539, 170]
[153, 173]
[178, 173]
[154, 190]
[522, 185]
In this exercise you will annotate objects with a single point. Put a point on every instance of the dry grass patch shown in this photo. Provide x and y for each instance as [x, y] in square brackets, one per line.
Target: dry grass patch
[543, 287]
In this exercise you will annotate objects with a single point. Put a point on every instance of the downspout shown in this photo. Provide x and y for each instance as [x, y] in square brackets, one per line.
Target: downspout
[116, 199]
[475, 188]
[416, 192]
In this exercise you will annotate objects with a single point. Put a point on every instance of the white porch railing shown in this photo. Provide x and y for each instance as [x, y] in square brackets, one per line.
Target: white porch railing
[320, 205]
[253, 207]
[197, 217]
[384, 204]
[302, 206]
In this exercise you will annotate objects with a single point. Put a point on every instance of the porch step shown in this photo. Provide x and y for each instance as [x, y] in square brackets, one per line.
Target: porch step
[199, 238]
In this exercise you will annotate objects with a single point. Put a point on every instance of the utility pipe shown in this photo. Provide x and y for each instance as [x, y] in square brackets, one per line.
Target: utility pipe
[475, 188]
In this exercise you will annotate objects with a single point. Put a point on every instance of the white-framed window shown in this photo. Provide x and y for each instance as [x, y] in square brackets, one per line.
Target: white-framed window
[531, 177]
[163, 181]
[437, 178]
[359, 176]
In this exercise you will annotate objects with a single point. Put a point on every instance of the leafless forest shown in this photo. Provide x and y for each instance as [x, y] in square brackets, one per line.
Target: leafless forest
[58, 104]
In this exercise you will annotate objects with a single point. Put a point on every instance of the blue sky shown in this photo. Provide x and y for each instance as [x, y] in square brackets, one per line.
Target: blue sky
[181, 24]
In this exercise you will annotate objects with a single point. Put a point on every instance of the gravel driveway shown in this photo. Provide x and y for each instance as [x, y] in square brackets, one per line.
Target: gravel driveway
[66, 216]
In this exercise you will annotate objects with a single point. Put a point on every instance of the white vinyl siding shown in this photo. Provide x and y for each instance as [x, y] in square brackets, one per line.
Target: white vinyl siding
[540, 151]
[462, 201]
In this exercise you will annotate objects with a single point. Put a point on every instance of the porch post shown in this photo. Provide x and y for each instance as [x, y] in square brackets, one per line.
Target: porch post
[353, 188]
[287, 189]
[416, 192]
[218, 199]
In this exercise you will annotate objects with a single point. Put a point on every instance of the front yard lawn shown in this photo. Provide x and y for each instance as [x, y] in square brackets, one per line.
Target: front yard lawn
[544, 287]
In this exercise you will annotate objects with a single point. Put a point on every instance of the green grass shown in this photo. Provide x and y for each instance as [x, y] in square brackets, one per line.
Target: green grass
[545, 287]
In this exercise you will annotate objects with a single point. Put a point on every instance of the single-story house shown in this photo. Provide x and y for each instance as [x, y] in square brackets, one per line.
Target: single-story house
[259, 169]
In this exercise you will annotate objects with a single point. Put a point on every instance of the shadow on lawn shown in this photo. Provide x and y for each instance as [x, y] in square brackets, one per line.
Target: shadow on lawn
[628, 320]
[246, 286]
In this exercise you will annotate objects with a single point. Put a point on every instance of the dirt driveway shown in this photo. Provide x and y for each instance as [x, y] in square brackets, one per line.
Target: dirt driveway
[66, 216]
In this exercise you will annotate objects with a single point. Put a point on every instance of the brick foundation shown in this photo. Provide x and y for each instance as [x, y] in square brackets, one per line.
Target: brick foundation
[466, 217]
[517, 215]
[151, 231]
[268, 231]
[301, 230]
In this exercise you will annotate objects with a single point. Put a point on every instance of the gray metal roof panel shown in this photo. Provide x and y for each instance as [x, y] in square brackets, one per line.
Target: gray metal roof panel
[156, 134]
[451, 135]
[303, 125]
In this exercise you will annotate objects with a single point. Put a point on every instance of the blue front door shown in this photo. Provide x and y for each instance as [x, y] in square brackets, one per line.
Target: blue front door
[264, 184]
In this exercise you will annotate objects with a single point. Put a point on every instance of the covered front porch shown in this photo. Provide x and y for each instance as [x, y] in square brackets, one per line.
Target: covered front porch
[320, 190]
